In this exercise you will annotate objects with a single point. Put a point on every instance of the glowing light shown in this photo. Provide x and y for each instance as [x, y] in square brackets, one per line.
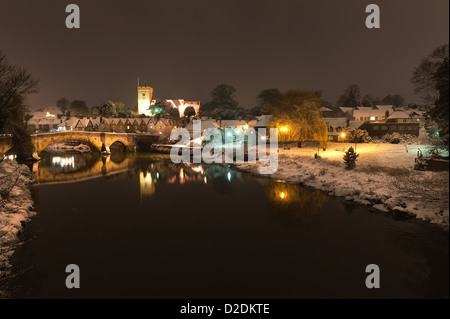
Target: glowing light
[283, 195]
[64, 161]
[181, 175]
[372, 118]
[50, 115]
[284, 129]
[198, 169]
[229, 176]
[343, 135]
[147, 187]
[245, 127]
[205, 180]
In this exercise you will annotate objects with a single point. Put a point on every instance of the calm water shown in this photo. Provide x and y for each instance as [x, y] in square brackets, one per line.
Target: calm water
[140, 226]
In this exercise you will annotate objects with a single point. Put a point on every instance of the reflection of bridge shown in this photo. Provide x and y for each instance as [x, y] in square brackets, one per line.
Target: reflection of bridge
[101, 167]
[94, 139]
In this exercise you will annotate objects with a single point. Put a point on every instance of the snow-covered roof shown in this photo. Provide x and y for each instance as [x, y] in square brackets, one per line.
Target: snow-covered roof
[336, 121]
[325, 109]
[44, 121]
[356, 124]
[404, 115]
[252, 123]
[209, 123]
[369, 113]
[364, 108]
[264, 121]
[347, 109]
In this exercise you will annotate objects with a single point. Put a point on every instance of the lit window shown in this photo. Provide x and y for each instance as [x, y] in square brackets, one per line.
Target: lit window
[372, 118]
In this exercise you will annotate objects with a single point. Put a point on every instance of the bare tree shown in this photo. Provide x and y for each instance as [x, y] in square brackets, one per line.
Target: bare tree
[15, 84]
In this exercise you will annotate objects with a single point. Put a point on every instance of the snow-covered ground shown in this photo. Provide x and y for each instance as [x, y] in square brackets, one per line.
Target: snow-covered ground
[16, 207]
[384, 178]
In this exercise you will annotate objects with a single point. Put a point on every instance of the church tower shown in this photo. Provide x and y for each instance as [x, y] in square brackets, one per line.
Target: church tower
[145, 95]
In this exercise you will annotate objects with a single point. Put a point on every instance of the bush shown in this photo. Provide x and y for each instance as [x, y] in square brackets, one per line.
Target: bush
[350, 158]
[357, 136]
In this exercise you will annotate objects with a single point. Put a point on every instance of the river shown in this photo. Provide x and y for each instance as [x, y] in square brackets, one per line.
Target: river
[139, 226]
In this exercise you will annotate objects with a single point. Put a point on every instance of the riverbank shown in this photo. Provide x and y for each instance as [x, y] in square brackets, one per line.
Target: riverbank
[383, 179]
[16, 208]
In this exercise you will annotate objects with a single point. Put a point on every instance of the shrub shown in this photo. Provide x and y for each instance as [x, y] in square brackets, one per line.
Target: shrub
[350, 158]
[357, 136]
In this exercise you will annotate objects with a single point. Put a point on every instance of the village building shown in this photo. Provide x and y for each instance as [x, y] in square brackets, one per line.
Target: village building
[336, 127]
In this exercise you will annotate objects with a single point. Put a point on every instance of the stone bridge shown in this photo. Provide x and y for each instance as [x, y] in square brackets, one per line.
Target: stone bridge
[93, 139]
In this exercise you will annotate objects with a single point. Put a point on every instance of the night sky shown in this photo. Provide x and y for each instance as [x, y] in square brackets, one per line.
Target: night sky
[184, 48]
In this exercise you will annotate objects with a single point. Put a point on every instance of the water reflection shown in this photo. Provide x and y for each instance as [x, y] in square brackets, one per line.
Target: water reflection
[303, 243]
[292, 202]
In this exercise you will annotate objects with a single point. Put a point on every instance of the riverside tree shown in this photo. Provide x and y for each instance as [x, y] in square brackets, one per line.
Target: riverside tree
[297, 116]
[431, 81]
[15, 84]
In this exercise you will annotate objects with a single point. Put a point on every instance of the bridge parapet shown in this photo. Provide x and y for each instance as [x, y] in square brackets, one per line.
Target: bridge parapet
[94, 139]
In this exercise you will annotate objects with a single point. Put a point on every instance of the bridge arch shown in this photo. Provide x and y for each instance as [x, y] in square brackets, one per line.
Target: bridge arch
[118, 146]
[42, 141]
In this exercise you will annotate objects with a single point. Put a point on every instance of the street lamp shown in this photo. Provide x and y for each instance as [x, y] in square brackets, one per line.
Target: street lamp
[284, 129]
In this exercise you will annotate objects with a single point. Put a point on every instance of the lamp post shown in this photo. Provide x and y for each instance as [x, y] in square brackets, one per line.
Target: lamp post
[284, 130]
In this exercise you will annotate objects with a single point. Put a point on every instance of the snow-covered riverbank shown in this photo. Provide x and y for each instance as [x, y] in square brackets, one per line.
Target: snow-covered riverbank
[16, 208]
[383, 178]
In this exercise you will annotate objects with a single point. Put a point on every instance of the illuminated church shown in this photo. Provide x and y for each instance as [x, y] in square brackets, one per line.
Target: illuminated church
[145, 100]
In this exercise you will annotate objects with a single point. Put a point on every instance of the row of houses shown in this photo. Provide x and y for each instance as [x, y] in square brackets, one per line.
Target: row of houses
[161, 126]
[99, 124]
[377, 121]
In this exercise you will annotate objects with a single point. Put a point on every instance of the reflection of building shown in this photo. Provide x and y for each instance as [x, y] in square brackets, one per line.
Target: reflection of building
[147, 185]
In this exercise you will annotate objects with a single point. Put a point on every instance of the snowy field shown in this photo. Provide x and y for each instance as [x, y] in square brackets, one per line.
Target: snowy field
[16, 207]
[384, 178]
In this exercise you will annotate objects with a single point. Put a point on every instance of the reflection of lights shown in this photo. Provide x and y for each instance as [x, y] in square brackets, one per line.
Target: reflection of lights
[198, 169]
[147, 186]
[283, 195]
[64, 161]
[181, 176]
[263, 138]
[229, 134]
[10, 157]
[229, 176]
[157, 175]
[205, 180]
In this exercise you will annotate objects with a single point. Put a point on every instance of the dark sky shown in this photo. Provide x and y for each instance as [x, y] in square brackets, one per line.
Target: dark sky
[184, 48]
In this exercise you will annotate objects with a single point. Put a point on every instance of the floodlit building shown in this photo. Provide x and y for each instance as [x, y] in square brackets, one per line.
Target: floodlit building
[145, 96]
